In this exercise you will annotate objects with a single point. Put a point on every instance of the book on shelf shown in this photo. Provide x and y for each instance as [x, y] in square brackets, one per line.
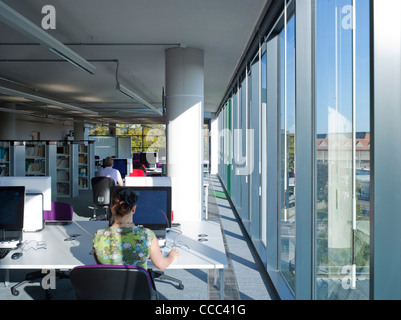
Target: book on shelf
[62, 163]
[4, 154]
[4, 172]
[35, 151]
[83, 182]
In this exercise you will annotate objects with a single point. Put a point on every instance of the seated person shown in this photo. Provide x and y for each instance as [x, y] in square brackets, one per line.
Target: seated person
[109, 171]
[123, 243]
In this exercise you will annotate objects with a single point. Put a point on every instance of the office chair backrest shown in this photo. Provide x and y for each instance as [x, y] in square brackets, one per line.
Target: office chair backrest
[111, 282]
[137, 173]
[101, 190]
[60, 211]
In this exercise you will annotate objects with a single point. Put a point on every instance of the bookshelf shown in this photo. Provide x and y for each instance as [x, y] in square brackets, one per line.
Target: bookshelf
[63, 169]
[86, 164]
[4, 158]
[69, 163]
[35, 158]
[83, 166]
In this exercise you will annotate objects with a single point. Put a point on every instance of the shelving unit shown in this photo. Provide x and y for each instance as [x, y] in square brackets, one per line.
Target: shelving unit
[83, 154]
[4, 158]
[69, 163]
[35, 158]
[86, 164]
[63, 169]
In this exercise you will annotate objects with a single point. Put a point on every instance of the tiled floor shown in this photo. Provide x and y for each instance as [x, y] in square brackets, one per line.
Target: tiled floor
[245, 279]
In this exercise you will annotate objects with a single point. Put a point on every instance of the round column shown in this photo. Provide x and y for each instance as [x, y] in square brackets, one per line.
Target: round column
[184, 115]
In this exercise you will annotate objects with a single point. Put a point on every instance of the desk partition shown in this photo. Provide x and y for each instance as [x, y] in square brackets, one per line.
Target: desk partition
[32, 185]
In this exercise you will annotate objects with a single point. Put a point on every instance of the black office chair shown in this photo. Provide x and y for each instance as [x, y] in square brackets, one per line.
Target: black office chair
[156, 274]
[60, 213]
[101, 194]
[112, 282]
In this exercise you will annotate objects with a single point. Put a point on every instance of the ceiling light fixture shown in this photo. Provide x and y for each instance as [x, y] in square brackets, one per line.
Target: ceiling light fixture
[14, 111]
[23, 25]
[21, 94]
[134, 96]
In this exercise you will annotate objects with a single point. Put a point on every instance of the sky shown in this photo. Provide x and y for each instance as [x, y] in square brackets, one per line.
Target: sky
[332, 55]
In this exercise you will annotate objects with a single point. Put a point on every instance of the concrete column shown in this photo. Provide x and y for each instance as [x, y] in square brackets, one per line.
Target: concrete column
[214, 142]
[184, 115]
[81, 131]
[7, 122]
[112, 129]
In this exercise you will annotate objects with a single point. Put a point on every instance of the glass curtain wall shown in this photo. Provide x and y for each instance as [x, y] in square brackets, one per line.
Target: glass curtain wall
[144, 137]
[244, 170]
[342, 149]
[254, 148]
[287, 150]
[340, 60]
[263, 209]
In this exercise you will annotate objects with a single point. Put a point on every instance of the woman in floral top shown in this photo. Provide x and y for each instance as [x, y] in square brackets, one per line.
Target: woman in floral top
[123, 243]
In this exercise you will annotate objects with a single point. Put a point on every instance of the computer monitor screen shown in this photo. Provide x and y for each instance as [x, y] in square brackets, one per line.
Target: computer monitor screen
[136, 157]
[12, 201]
[149, 158]
[121, 165]
[153, 208]
[32, 185]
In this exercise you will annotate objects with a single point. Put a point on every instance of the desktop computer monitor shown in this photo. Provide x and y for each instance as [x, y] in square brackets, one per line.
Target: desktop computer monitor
[153, 208]
[41, 185]
[121, 165]
[12, 201]
[136, 157]
[149, 159]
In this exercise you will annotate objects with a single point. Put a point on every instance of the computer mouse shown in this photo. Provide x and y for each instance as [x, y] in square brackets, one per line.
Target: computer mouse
[16, 255]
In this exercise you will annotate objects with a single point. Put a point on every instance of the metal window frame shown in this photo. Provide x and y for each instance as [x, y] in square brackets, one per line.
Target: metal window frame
[385, 256]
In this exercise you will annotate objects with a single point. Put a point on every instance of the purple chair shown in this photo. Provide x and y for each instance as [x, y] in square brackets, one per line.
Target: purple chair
[60, 212]
[112, 282]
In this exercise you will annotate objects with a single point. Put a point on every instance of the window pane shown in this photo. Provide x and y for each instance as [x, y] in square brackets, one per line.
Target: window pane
[264, 149]
[339, 248]
[287, 152]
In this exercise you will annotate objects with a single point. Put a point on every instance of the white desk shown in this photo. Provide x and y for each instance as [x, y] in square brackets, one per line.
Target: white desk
[61, 254]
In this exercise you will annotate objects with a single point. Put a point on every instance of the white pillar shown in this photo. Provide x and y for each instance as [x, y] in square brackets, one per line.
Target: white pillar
[214, 141]
[184, 115]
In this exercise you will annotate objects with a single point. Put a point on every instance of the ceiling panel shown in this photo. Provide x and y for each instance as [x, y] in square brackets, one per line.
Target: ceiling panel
[136, 33]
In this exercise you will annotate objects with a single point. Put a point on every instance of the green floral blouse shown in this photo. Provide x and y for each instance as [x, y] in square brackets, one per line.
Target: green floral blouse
[123, 245]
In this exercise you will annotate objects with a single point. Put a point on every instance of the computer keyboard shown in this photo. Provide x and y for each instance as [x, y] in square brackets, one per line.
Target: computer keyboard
[4, 252]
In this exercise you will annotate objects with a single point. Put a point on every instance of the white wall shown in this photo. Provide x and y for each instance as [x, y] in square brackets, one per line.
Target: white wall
[49, 129]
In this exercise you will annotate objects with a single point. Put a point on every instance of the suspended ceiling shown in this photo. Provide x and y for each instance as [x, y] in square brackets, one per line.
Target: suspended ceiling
[135, 33]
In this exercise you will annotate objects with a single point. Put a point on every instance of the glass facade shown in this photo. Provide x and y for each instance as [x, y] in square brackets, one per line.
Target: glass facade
[144, 137]
[342, 149]
[287, 150]
[264, 119]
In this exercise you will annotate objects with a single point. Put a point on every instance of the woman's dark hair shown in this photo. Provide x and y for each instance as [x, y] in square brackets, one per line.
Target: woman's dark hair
[122, 201]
